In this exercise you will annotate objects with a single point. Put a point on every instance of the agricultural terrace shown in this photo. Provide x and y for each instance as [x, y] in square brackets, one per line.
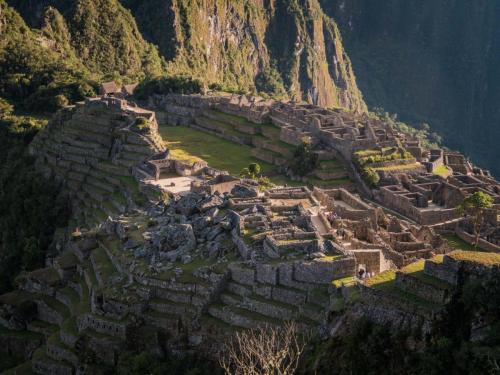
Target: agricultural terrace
[193, 145]
[385, 159]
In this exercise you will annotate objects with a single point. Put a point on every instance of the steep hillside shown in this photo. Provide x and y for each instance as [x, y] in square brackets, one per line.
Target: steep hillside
[34, 75]
[102, 34]
[430, 61]
[253, 45]
[281, 47]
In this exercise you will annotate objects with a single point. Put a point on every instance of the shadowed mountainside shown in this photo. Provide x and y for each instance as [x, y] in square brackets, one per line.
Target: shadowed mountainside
[430, 61]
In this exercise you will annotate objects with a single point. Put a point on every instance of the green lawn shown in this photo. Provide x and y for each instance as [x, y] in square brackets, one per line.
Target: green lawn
[192, 145]
[487, 259]
[457, 243]
[443, 171]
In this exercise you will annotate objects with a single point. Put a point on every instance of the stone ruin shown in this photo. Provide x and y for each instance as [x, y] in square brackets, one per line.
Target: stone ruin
[221, 256]
[93, 149]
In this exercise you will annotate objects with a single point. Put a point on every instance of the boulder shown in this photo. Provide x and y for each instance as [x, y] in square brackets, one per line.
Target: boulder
[175, 237]
[244, 191]
[209, 203]
[187, 204]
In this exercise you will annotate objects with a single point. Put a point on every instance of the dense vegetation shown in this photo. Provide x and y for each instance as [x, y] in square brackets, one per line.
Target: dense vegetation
[304, 159]
[31, 206]
[43, 69]
[33, 76]
[450, 349]
[166, 85]
[100, 33]
[283, 48]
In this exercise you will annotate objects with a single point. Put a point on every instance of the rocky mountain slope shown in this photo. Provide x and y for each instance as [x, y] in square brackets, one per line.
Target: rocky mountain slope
[286, 48]
[102, 34]
[430, 61]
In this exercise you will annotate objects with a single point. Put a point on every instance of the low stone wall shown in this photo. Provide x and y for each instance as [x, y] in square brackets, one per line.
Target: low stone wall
[51, 368]
[426, 291]
[22, 346]
[447, 271]
[323, 272]
[102, 325]
[48, 314]
[470, 239]
[402, 314]
[61, 354]
[240, 245]
[370, 258]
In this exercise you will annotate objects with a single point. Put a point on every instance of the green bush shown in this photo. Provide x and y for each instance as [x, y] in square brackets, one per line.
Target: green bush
[270, 82]
[142, 123]
[304, 159]
[371, 177]
[168, 85]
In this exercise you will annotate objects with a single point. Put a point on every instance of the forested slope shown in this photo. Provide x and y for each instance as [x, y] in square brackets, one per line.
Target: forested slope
[434, 61]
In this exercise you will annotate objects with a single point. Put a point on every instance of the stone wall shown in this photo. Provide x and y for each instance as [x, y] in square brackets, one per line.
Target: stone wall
[102, 325]
[426, 291]
[470, 239]
[243, 249]
[368, 259]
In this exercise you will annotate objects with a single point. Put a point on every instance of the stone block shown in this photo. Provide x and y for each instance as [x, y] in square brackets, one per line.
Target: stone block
[242, 275]
[267, 274]
[263, 290]
[322, 271]
[288, 295]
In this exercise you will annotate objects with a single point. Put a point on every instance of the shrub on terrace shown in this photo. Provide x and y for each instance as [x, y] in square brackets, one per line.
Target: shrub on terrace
[371, 177]
[167, 85]
[270, 82]
[304, 159]
[142, 123]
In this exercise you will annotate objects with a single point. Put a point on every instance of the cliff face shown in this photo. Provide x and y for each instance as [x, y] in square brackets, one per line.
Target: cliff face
[430, 61]
[287, 48]
[253, 44]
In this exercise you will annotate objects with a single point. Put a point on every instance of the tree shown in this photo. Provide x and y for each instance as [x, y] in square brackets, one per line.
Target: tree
[254, 169]
[5, 108]
[264, 351]
[435, 137]
[474, 206]
[304, 159]
[425, 127]
[371, 177]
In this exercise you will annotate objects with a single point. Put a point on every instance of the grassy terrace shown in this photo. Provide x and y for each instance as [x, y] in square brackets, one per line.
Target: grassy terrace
[483, 258]
[237, 119]
[416, 270]
[193, 145]
[457, 243]
[346, 281]
[443, 171]
[386, 282]
[399, 167]
[104, 265]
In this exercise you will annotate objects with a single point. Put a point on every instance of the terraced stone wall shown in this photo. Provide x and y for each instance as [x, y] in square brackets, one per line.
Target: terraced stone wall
[92, 149]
